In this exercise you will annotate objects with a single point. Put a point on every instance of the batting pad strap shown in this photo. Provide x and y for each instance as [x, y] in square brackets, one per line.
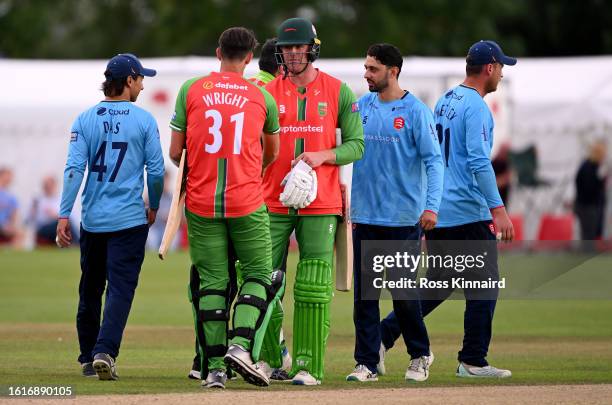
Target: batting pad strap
[205, 315]
[216, 350]
[208, 291]
[253, 301]
[267, 287]
[247, 333]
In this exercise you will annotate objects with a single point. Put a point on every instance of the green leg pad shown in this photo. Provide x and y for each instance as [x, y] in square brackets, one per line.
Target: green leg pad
[270, 348]
[251, 315]
[245, 316]
[215, 331]
[209, 308]
[210, 321]
[312, 295]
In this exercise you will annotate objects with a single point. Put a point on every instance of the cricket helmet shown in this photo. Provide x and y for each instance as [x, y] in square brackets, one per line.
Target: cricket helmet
[299, 31]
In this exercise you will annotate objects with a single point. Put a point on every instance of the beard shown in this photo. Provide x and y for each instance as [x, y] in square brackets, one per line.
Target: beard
[377, 87]
[491, 87]
[134, 95]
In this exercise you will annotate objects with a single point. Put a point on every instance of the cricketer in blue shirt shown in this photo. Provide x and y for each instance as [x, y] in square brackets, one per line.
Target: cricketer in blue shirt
[116, 140]
[464, 126]
[396, 192]
[401, 172]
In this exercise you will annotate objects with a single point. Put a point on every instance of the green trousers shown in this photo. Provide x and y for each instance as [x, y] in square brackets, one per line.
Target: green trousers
[208, 247]
[315, 235]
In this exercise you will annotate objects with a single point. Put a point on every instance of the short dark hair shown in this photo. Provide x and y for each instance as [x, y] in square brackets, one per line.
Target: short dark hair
[473, 70]
[387, 54]
[114, 87]
[267, 59]
[236, 42]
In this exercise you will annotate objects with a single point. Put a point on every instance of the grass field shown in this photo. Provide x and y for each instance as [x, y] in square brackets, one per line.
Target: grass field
[541, 341]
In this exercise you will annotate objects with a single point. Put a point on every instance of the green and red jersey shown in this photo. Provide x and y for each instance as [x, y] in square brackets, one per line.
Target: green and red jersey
[261, 78]
[309, 117]
[223, 116]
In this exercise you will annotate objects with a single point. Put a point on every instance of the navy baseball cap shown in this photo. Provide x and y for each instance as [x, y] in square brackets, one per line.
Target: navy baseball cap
[126, 64]
[485, 52]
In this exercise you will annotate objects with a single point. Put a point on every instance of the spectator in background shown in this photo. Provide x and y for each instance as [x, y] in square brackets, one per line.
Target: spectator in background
[44, 212]
[591, 193]
[503, 172]
[9, 206]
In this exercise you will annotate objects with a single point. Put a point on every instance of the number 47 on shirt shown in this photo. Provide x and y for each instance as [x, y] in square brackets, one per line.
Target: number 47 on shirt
[99, 166]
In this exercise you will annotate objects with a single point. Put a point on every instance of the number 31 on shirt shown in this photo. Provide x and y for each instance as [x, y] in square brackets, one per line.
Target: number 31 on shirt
[215, 131]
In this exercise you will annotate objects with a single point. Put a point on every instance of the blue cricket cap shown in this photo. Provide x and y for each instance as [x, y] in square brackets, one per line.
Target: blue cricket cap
[126, 64]
[485, 52]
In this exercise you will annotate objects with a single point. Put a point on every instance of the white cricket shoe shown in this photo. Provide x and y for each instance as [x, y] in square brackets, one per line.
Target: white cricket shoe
[215, 379]
[419, 368]
[380, 367]
[265, 367]
[362, 373]
[105, 367]
[303, 377]
[465, 370]
[239, 360]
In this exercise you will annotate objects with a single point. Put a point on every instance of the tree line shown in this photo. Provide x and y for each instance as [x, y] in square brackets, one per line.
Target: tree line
[83, 29]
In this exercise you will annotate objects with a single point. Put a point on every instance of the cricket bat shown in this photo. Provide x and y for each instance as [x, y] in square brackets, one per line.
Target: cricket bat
[344, 246]
[175, 215]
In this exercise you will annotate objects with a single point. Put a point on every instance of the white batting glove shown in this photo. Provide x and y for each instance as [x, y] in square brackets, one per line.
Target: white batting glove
[312, 194]
[295, 197]
[298, 183]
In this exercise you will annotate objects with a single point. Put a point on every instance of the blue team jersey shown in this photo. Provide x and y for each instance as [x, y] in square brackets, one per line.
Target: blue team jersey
[115, 140]
[8, 206]
[401, 171]
[464, 125]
